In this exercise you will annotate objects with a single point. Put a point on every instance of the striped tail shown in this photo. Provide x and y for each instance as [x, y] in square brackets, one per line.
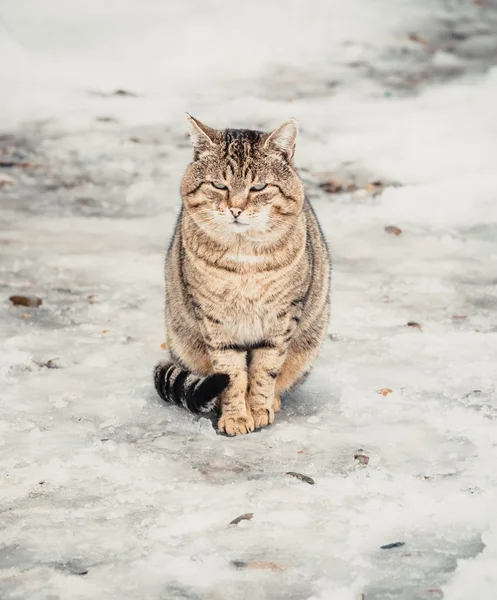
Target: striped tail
[196, 394]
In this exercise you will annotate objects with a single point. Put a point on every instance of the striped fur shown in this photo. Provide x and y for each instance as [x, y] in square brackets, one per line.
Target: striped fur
[247, 278]
[196, 394]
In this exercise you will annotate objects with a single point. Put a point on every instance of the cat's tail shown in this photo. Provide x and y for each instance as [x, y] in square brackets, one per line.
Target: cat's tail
[196, 394]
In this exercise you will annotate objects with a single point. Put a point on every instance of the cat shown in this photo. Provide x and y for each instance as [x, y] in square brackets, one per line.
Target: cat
[247, 278]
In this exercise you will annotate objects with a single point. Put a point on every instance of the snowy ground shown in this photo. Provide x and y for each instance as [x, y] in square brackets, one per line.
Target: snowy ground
[105, 492]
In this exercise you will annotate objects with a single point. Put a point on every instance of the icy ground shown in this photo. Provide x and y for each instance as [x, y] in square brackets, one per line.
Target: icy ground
[105, 492]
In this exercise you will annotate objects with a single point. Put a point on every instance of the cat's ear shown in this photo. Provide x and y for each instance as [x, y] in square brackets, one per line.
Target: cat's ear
[203, 137]
[283, 139]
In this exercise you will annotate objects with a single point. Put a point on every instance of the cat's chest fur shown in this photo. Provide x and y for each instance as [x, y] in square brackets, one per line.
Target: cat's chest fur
[248, 317]
[245, 303]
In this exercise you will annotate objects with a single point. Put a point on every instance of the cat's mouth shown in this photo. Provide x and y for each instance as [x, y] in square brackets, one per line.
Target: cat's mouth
[239, 225]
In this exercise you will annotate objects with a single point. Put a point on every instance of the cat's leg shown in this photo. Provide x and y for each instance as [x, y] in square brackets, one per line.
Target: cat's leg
[236, 417]
[297, 363]
[265, 364]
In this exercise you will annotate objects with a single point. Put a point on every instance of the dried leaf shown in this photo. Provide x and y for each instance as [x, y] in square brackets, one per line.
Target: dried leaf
[435, 593]
[264, 565]
[460, 317]
[414, 37]
[393, 229]
[362, 458]
[414, 324]
[7, 164]
[374, 188]
[25, 316]
[124, 93]
[105, 330]
[392, 545]
[164, 346]
[304, 478]
[245, 517]
[334, 186]
[26, 301]
[385, 391]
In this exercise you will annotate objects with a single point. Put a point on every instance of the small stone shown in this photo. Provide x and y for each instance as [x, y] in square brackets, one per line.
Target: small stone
[414, 324]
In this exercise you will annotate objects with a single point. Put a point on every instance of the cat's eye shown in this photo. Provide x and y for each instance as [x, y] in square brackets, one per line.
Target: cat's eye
[259, 187]
[219, 186]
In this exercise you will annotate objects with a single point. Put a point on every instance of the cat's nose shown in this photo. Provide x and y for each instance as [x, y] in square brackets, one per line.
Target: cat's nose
[236, 212]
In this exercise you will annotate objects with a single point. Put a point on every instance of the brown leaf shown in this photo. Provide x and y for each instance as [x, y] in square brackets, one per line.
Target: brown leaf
[164, 346]
[460, 317]
[435, 593]
[245, 517]
[25, 301]
[414, 324]
[385, 391]
[393, 229]
[14, 163]
[25, 316]
[105, 330]
[414, 37]
[374, 188]
[304, 478]
[334, 186]
[362, 458]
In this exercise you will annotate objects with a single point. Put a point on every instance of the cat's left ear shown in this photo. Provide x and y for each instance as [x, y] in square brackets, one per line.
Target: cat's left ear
[283, 138]
[203, 137]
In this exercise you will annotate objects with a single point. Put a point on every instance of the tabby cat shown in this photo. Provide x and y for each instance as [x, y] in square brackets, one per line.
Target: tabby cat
[247, 279]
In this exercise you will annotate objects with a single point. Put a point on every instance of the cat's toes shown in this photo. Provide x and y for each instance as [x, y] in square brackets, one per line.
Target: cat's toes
[262, 417]
[276, 403]
[236, 424]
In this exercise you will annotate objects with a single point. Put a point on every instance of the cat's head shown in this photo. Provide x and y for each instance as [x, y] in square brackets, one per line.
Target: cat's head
[242, 182]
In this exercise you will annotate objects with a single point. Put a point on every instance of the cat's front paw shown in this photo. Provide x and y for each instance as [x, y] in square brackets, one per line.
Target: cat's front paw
[262, 416]
[236, 424]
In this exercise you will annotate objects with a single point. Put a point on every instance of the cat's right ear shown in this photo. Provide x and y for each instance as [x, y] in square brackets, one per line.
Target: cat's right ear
[203, 138]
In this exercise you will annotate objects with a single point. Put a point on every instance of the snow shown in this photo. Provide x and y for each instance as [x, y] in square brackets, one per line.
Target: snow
[107, 492]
